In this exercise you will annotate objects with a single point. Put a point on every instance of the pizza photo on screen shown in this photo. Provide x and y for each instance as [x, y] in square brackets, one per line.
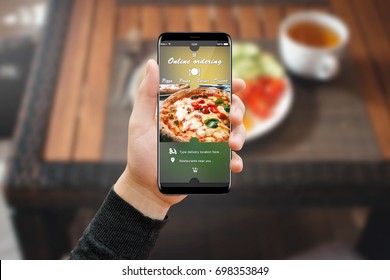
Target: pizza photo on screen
[201, 113]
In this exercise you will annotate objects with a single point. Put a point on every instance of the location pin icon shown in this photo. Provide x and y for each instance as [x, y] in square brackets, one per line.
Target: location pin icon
[172, 159]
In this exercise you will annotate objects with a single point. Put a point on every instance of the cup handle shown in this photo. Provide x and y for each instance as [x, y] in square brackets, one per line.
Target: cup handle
[328, 67]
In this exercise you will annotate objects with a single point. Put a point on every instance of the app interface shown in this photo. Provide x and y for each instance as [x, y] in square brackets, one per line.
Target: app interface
[194, 108]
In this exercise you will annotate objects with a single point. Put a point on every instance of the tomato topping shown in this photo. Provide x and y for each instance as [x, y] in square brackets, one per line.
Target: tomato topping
[201, 101]
[195, 105]
[221, 116]
[211, 105]
[205, 110]
[214, 110]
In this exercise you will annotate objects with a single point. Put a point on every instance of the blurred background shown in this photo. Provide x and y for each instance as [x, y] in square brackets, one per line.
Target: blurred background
[316, 183]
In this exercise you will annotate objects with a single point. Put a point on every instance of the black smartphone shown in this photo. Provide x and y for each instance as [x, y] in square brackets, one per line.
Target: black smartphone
[194, 103]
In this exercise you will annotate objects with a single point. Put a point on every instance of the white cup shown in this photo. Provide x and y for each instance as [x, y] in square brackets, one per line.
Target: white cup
[312, 62]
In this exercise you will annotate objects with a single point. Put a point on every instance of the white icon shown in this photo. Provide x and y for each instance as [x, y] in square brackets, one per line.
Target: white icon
[194, 54]
[195, 169]
[194, 72]
[172, 159]
[172, 151]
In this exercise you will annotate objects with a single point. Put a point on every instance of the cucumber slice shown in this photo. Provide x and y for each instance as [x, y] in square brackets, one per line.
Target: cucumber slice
[270, 66]
[250, 62]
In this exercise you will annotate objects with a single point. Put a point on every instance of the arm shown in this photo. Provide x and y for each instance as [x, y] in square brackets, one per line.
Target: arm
[118, 231]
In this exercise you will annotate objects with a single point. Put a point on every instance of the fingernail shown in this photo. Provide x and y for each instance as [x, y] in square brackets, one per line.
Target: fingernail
[239, 113]
[240, 140]
[148, 67]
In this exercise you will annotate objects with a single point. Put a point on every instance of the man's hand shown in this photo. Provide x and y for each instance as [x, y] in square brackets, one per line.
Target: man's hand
[138, 183]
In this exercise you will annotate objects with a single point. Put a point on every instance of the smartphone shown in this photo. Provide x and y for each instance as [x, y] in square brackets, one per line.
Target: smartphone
[193, 110]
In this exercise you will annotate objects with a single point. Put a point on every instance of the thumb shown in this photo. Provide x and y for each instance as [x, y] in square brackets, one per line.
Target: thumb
[144, 109]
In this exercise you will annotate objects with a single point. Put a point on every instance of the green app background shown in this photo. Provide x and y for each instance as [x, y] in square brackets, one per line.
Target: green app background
[212, 167]
[212, 160]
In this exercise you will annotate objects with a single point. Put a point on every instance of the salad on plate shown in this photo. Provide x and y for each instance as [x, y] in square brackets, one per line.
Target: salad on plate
[268, 93]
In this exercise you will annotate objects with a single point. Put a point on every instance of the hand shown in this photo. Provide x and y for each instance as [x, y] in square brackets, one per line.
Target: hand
[138, 183]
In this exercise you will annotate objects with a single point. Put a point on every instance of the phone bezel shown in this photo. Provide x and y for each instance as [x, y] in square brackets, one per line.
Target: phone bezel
[192, 188]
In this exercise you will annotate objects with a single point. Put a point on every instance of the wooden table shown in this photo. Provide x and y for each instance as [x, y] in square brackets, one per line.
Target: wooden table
[58, 165]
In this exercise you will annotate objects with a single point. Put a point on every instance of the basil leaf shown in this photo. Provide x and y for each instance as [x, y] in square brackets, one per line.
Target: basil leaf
[212, 123]
[219, 101]
[226, 107]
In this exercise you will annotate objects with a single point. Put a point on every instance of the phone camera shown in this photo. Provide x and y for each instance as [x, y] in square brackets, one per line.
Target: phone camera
[194, 47]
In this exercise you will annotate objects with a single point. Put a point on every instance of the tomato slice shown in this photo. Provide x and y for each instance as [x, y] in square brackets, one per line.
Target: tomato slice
[261, 95]
[273, 90]
[205, 110]
[259, 108]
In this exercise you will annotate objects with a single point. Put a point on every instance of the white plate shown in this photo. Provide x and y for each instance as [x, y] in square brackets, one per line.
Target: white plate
[261, 127]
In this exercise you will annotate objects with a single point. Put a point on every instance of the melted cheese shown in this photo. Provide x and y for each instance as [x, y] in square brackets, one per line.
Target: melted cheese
[181, 113]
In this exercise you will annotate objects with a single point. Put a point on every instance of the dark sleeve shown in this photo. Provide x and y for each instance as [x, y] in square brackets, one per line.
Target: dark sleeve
[118, 231]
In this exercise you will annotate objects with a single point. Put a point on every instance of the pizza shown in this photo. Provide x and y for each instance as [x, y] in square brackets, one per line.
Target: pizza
[172, 88]
[202, 113]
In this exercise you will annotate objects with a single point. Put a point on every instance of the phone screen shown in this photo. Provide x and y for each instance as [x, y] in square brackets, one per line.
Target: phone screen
[193, 112]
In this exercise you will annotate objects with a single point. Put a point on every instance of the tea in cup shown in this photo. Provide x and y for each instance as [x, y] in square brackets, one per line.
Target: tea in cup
[311, 44]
